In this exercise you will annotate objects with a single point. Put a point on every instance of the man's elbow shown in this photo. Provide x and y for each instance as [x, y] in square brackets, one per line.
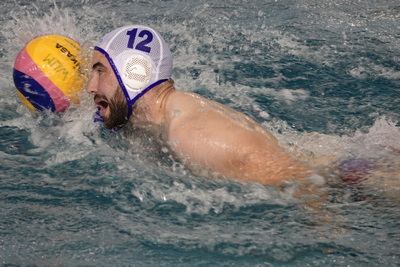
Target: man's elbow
[271, 169]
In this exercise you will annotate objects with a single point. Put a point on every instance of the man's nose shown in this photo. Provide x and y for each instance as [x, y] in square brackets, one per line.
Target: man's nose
[92, 86]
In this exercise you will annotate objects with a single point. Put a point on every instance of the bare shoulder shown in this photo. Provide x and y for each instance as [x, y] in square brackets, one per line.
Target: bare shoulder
[212, 119]
[185, 102]
[208, 135]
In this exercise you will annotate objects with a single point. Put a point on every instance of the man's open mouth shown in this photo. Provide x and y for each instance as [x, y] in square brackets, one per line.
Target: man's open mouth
[101, 103]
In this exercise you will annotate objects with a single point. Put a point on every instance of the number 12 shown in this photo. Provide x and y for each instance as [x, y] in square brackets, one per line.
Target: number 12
[142, 46]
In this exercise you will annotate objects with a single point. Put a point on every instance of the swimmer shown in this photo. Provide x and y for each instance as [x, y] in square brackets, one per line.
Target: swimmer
[131, 82]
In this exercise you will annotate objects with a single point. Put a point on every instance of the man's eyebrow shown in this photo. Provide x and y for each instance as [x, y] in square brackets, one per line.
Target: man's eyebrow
[97, 65]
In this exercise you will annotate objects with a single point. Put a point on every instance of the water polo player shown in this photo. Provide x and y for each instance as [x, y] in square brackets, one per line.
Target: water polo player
[131, 81]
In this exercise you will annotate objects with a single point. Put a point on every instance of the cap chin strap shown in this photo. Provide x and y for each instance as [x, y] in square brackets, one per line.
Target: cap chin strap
[122, 84]
[132, 101]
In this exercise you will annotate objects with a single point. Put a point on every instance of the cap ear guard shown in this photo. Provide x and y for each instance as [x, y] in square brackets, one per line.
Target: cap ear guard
[136, 74]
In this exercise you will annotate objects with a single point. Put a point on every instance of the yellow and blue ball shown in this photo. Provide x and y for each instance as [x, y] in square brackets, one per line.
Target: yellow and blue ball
[46, 73]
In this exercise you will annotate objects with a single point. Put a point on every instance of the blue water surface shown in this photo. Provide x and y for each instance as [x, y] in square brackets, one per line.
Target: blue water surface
[323, 76]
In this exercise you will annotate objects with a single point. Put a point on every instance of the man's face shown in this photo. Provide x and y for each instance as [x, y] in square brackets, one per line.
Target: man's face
[108, 95]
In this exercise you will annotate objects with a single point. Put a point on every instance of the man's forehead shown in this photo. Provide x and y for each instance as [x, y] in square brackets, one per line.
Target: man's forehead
[99, 57]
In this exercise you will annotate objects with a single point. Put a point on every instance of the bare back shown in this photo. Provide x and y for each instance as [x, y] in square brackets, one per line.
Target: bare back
[211, 137]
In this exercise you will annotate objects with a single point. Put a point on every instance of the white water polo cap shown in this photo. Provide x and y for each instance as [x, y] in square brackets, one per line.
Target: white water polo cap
[140, 58]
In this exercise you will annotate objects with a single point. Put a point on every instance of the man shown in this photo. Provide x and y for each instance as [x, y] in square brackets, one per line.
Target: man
[131, 81]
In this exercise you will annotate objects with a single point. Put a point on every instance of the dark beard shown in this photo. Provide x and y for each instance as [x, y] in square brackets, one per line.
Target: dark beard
[118, 111]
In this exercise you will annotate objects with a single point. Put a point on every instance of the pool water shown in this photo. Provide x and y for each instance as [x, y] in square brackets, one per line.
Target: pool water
[323, 76]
